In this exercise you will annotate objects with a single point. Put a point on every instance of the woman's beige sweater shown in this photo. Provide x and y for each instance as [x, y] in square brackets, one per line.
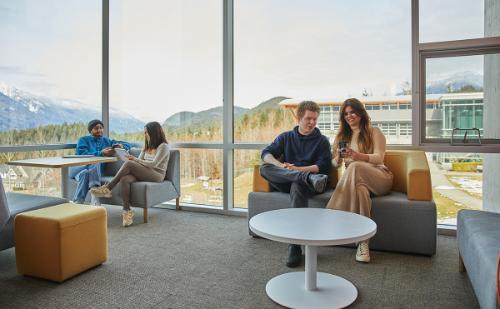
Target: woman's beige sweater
[160, 160]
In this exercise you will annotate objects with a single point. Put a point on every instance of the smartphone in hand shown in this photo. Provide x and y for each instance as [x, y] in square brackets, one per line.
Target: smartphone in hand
[343, 148]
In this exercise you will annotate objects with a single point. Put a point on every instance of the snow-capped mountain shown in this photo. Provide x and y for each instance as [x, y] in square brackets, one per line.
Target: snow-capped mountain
[22, 110]
[455, 82]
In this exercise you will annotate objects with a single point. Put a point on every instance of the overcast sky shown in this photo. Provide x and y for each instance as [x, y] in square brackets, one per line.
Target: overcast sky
[166, 56]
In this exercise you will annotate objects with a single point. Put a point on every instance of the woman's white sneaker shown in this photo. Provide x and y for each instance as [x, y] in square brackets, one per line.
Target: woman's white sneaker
[363, 253]
[127, 218]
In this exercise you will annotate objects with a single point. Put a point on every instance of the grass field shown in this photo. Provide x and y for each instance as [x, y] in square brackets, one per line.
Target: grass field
[446, 208]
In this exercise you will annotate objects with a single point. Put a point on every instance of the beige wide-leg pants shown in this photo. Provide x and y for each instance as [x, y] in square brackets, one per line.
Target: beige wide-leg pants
[352, 192]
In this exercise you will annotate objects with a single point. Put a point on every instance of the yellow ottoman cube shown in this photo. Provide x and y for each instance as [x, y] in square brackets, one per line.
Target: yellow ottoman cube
[61, 241]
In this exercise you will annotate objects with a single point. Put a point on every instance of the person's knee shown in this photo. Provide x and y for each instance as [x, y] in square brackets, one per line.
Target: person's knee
[265, 169]
[126, 180]
[357, 165]
[128, 163]
[84, 174]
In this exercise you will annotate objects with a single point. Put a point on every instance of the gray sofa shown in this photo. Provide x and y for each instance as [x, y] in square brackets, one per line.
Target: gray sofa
[11, 204]
[406, 218]
[478, 237]
[143, 194]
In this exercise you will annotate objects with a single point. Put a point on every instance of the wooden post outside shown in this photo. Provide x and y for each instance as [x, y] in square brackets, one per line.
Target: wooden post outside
[145, 215]
[177, 206]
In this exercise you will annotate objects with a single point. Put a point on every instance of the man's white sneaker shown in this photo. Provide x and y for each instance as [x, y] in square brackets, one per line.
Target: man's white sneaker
[101, 191]
[363, 253]
[127, 218]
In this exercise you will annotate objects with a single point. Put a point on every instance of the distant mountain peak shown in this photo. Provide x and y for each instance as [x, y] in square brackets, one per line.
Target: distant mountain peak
[24, 110]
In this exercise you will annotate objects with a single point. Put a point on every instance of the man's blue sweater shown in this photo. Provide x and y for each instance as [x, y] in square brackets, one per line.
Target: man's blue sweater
[90, 145]
[302, 150]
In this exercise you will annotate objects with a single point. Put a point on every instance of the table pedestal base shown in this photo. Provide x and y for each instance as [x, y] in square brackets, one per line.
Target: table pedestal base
[332, 291]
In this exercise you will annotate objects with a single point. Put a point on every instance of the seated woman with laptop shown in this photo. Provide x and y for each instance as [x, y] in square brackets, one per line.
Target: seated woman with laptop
[95, 144]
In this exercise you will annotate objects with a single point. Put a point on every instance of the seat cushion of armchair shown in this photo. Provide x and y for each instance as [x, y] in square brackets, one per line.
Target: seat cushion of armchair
[394, 214]
[19, 202]
[144, 194]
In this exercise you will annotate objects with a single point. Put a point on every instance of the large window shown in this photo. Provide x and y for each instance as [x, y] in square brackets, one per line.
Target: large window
[201, 177]
[459, 69]
[456, 87]
[317, 50]
[189, 63]
[457, 183]
[50, 83]
[447, 20]
[50, 70]
[244, 163]
[166, 66]
[31, 180]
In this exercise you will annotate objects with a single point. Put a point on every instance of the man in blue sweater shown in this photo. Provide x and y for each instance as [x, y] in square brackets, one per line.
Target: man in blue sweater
[306, 157]
[94, 144]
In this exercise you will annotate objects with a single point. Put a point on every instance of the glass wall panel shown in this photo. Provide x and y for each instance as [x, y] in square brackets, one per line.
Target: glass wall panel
[289, 51]
[50, 70]
[463, 93]
[201, 177]
[244, 162]
[166, 66]
[447, 20]
[457, 183]
[31, 180]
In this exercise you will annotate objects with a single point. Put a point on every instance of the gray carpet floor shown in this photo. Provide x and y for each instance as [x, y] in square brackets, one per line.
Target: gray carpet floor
[184, 259]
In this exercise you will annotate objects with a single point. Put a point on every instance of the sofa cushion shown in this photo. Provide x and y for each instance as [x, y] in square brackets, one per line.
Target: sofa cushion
[19, 202]
[402, 225]
[478, 236]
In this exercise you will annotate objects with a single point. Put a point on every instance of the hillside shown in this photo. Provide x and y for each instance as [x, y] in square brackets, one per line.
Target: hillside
[213, 116]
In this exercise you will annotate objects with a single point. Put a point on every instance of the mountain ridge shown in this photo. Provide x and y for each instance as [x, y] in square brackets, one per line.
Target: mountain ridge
[22, 110]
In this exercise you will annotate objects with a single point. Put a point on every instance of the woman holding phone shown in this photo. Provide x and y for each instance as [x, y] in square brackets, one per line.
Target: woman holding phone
[362, 148]
[151, 165]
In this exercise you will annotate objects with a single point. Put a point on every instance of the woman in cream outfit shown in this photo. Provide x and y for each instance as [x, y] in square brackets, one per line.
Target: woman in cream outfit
[364, 161]
[151, 165]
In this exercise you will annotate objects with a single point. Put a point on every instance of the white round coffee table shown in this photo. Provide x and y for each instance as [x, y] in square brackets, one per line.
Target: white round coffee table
[312, 227]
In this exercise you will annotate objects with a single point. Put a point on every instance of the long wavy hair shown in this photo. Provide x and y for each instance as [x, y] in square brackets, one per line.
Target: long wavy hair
[156, 135]
[365, 139]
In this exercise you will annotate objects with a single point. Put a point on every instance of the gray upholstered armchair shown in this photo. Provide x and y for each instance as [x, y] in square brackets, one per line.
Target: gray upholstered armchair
[143, 194]
[11, 204]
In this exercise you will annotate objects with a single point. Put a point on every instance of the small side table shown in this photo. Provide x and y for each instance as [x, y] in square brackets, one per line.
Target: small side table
[312, 227]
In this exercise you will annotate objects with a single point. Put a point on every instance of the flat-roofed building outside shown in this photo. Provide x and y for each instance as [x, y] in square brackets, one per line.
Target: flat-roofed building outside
[393, 114]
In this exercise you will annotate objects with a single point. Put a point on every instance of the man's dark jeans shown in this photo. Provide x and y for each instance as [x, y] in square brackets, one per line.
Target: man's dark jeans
[289, 181]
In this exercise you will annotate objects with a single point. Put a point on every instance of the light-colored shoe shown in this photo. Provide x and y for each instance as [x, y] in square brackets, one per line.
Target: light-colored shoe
[127, 217]
[363, 253]
[101, 191]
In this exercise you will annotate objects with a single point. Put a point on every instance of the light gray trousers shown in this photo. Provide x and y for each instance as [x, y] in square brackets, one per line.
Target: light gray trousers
[130, 172]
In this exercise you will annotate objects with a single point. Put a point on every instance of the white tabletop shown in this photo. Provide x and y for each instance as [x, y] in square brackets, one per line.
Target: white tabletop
[313, 226]
[58, 162]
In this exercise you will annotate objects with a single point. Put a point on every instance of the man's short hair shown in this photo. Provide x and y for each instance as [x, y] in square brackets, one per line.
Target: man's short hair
[307, 106]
